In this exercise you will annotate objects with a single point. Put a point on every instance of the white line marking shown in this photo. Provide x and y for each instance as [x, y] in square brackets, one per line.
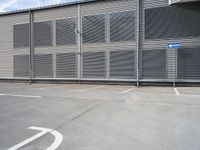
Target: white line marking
[58, 138]
[44, 131]
[190, 95]
[176, 91]
[13, 95]
[89, 89]
[129, 90]
[51, 87]
[57, 142]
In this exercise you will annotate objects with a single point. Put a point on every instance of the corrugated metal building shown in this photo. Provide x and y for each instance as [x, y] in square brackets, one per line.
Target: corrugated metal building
[102, 40]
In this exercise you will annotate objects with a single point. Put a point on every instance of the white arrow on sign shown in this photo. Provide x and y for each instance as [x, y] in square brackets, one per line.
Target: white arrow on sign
[58, 138]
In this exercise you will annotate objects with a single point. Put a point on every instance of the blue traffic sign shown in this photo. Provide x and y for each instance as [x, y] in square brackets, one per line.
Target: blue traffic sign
[174, 45]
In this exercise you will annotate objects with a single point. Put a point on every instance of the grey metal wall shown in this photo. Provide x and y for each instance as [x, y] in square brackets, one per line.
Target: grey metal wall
[99, 41]
[13, 61]
[61, 52]
[163, 24]
[117, 44]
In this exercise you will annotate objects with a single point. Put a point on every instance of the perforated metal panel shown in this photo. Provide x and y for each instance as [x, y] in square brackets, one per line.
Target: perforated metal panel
[93, 29]
[66, 65]
[122, 64]
[155, 3]
[43, 65]
[189, 63]
[122, 26]
[172, 21]
[154, 64]
[65, 31]
[94, 65]
[21, 35]
[95, 57]
[21, 65]
[43, 33]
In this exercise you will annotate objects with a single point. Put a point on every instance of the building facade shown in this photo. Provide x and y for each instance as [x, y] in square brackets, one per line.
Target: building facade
[102, 40]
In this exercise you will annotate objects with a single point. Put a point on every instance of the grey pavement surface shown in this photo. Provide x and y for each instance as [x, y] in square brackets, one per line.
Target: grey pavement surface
[100, 117]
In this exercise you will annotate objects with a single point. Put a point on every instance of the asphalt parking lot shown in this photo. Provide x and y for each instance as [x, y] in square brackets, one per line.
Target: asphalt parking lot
[98, 117]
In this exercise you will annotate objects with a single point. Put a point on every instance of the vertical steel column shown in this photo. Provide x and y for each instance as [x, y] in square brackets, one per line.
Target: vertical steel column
[54, 45]
[30, 46]
[138, 40]
[79, 44]
[107, 21]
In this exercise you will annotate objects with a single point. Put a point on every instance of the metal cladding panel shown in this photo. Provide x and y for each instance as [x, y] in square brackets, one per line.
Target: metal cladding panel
[21, 65]
[43, 35]
[6, 42]
[180, 1]
[93, 29]
[171, 63]
[122, 64]
[155, 3]
[66, 31]
[66, 65]
[122, 26]
[56, 13]
[124, 42]
[189, 63]
[94, 65]
[169, 25]
[21, 35]
[172, 21]
[108, 6]
[100, 59]
[54, 50]
[162, 43]
[43, 65]
[63, 37]
[154, 64]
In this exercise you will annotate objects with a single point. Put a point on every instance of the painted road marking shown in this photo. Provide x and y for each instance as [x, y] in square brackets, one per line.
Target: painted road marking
[51, 87]
[129, 90]
[58, 138]
[89, 89]
[190, 95]
[28, 96]
[176, 91]
[78, 90]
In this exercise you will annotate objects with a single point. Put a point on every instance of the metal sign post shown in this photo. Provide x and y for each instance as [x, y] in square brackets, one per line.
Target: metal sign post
[174, 82]
[174, 47]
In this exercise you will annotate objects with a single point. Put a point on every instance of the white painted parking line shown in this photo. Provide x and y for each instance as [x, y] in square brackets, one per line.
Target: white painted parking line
[58, 138]
[89, 89]
[176, 91]
[27, 96]
[51, 87]
[190, 95]
[129, 90]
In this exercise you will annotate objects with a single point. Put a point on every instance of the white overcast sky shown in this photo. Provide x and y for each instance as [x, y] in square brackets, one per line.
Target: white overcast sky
[10, 5]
